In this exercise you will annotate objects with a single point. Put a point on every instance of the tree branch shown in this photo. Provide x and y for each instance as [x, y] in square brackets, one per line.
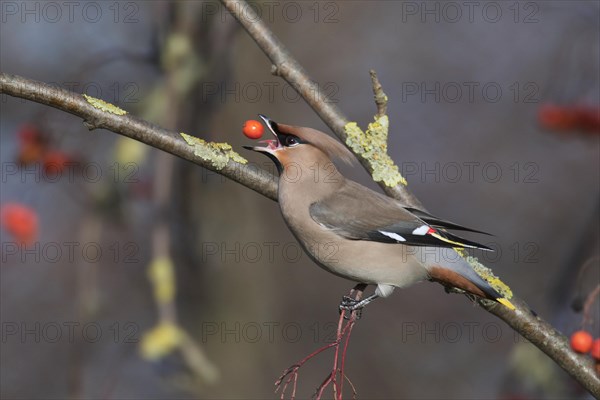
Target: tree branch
[380, 97]
[134, 128]
[536, 330]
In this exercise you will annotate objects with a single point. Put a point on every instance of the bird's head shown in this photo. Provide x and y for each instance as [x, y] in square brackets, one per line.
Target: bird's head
[300, 146]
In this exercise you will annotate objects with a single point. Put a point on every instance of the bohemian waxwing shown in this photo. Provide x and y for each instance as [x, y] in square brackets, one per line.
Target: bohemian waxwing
[357, 233]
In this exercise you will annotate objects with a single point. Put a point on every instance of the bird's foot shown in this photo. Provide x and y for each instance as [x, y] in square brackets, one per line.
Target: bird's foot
[348, 305]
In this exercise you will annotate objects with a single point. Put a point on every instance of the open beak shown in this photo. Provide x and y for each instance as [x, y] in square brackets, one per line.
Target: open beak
[272, 145]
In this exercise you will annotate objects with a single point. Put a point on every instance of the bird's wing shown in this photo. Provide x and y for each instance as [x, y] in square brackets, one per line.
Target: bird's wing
[358, 213]
[441, 223]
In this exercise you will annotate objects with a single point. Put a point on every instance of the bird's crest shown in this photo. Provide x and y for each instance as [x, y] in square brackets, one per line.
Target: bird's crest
[328, 145]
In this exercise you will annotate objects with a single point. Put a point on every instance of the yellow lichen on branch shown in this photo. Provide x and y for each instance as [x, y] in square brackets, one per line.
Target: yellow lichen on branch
[372, 147]
[218, 154]
[486, 274]
[103, 105]
[490, 278]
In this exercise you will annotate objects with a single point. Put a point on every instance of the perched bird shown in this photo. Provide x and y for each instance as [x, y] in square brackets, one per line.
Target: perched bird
[357, 233]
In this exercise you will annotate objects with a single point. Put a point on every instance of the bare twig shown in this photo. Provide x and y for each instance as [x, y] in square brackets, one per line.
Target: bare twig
[292, 371]
[343, 331]
[135, 128]
[380, 97]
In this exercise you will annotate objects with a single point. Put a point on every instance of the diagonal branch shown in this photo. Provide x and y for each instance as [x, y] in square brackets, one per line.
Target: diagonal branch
[135, 128]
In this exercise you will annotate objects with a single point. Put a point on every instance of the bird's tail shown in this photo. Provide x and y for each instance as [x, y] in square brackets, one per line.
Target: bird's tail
[448, 267]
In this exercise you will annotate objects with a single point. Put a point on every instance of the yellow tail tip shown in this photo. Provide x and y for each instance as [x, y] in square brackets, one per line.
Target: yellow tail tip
[506, 303]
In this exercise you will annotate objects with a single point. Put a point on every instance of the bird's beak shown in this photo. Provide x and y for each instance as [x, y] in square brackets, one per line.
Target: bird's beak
[272, 144]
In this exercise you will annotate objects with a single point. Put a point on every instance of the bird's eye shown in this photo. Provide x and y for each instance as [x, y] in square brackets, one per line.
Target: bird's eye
[291, 141]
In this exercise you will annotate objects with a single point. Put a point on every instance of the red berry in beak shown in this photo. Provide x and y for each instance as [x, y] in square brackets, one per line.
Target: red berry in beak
[253, 129]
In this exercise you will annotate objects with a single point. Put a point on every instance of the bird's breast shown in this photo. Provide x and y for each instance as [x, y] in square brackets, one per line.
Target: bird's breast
[358, 260]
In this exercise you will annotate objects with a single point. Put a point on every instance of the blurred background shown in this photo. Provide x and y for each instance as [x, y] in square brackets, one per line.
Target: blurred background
[128, 273]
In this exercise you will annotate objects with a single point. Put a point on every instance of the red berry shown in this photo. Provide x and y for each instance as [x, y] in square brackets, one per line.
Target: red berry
[30, 153]
[596, 349]
[20, 221]
[555, 117]
[253, 129]
[55, 162]
[581, 341]
[32, 144]
[29, 133]
[579, 117]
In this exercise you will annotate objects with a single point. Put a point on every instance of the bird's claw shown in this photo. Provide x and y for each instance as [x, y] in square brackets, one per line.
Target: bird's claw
[349, 305]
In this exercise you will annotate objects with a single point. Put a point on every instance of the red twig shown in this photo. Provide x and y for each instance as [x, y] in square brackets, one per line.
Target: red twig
[292, 372]
[343, 363]
[343, 331]
[352, 386]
